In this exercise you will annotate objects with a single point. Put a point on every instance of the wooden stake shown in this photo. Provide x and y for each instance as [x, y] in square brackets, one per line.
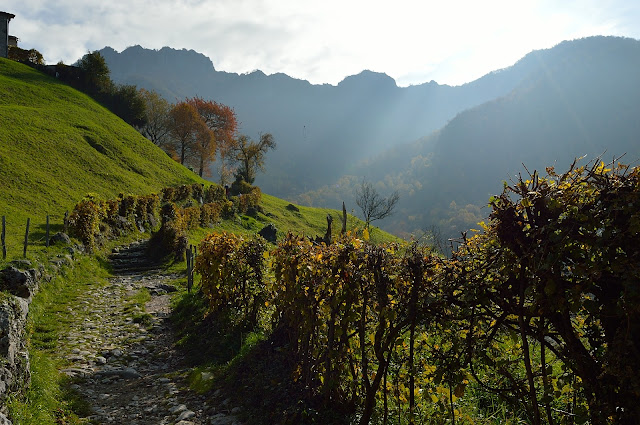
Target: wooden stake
[344, 219]
[47, 236]
[4, 245]
[26, 239]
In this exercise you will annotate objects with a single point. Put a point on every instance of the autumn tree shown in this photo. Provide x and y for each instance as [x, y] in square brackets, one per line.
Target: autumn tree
[374, 206]
[249, 155]
[157, 128]
[204, 149]
[222, 121]
[192, 140]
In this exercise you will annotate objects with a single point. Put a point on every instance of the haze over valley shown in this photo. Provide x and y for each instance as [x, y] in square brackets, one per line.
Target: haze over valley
[445, 148]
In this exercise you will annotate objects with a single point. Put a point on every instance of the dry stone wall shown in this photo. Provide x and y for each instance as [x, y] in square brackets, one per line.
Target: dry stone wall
[17, 286]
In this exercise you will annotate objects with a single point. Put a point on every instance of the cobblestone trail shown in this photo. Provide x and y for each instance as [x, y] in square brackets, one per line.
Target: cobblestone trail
[123, 362]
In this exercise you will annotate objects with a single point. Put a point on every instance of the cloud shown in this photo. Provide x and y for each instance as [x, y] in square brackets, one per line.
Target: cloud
[411, 40]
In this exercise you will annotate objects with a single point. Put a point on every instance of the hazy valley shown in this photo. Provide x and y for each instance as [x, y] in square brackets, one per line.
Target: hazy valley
[434, 143]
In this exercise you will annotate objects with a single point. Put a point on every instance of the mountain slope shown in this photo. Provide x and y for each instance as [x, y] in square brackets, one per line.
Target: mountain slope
[579, 97]
[321, 130]
[583, 100]
[57, 145]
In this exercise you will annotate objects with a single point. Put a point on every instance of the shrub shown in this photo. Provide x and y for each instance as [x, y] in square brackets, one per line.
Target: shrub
[111, 211]
[183, 193]
[128, 206]
[247, 201]
[190, 217]
[214, 193]
[241, 187]
[197, 192]
[168, 194]
[146, 206]
[169, 238]
[210, 213]
[228, 209]
[232, 270]
[168, 212]
[84, 221]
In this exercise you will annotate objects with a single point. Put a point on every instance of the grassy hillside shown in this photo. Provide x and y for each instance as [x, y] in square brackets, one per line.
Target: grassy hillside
[306, 221]
[57, 145]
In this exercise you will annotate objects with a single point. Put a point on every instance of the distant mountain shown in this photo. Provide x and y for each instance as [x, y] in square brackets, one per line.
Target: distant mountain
[583, 99]
[321, 130]
[447, 149]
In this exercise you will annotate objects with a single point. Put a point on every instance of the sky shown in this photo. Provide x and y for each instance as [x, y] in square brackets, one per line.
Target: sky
[324, 41]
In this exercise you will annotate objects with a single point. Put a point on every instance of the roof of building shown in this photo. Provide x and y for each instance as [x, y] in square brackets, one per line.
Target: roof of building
[7, 15]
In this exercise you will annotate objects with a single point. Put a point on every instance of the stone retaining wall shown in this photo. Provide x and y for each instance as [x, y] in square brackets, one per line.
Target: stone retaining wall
[18, 287]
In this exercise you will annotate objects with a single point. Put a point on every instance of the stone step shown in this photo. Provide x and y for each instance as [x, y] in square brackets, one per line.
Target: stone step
[132, 259]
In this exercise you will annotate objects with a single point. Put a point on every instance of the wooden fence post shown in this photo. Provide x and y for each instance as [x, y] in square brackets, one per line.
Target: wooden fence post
[194, 252]
[47, 236]
[191, 256]
[188, 269]
[344, 219]
[4, 245]
[26, 239]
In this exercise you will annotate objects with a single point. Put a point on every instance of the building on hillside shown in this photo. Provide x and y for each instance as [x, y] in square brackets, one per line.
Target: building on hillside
[4, 33]
[13, 41]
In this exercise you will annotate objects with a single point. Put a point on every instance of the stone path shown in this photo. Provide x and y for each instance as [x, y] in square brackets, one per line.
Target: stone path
[124, 363]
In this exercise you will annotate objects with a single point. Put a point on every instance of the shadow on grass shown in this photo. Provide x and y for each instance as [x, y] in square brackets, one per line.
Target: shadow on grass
[205, 339]
[262, 381]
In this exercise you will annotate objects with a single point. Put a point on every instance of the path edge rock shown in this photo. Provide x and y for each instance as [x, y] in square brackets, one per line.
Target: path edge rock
[19, 287]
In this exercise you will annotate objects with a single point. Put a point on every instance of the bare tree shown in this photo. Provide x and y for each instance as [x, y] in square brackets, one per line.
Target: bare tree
[373, 206]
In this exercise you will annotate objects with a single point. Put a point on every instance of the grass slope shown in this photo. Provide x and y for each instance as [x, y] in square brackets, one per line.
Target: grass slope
[308, 221]
[57, 145]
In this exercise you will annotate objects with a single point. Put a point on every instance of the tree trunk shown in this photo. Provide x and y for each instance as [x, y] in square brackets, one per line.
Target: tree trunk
[370, 400]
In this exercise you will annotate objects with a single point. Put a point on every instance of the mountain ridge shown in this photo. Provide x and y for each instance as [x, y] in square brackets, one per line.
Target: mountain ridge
[330, 136]
[585, 103]
[320, 129]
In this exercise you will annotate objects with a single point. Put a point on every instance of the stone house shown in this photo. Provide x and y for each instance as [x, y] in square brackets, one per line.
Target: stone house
[4, 33]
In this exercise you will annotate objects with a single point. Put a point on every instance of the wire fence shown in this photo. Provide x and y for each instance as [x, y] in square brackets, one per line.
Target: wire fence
[38, 235]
